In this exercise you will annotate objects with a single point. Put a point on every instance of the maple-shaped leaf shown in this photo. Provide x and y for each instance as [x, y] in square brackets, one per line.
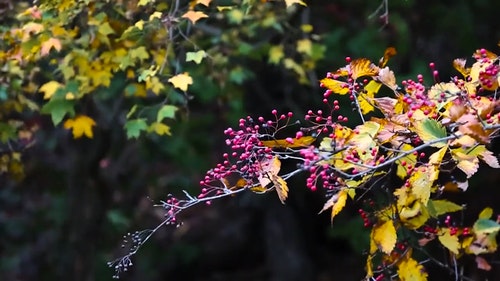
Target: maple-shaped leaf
[134, 127]
[181, 81]
[410, 270]
[81, 125]
[159, 128]
[441, 207]
[196, 57]
[194, 16]
[335, 86]
[166, 111]
[449, 241]
[276, 53]
[291, 2]
[384, 236]
[49, 89]
[289, 143]
[49, 44]
[205, 3]
[430, 130]
[336, 203]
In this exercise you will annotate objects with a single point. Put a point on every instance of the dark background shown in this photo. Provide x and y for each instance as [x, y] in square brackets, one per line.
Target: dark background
[66, 219]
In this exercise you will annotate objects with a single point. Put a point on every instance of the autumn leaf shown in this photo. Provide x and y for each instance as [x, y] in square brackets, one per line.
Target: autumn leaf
[365, 99]
[361, 67]
[335, 86]
[441, 207]
[364, 137]
[384, 236]
[388, 53]
[181, 81]
[205, 3]
[50, 88]
[281, 187]
[80, 125]
[304, 46]
[449, 241]
[482, 263]
[430, 130]
[276, 53]
[194, 16]
[268, 167]
[410, 270]
[486, 213]
[159, 128]
[437, 157]
[289, 143]
[291, 2]
[336, 202]
[459, 65]
[49, 44]
[421, 182]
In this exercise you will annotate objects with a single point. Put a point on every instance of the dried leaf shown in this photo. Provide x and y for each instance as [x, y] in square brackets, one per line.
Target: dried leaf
[482, 263]
[389, 53]
[49, 44]
[268, 168]
[281, 187]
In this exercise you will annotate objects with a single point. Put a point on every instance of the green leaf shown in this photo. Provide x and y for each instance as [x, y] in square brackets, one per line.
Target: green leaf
[430, 130]
[58, 108]
[486, 213]
[440, 207]
[135, 127]
[166, 111]
[105, 29]
[7, 132]
[486, 226]
[196, 57]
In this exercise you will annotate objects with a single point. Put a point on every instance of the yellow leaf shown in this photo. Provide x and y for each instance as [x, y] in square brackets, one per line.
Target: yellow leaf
[410, 270]
[276, 53]
[366, 97]
[139, 25]
[281, 187]
[336, 202]
[291, 2]
[81, 125]
[204, 2]
[154, 84]
[469, 167]
[421, 182]
[194, 16]
[486, 213]
[414, 214]
[144, 2]
[49, 44]
[359, 68]
[49, 89]
[304, 46]
[155, 15]
[459, 65]
[384, 236]
[335, 86]
[364, 137]
[181, 81]
[448, 240]
[437, 157]
[159, 128]
[292, 143]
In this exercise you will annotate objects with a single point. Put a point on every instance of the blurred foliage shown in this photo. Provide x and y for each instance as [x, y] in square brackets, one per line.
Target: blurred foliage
[65, 201]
